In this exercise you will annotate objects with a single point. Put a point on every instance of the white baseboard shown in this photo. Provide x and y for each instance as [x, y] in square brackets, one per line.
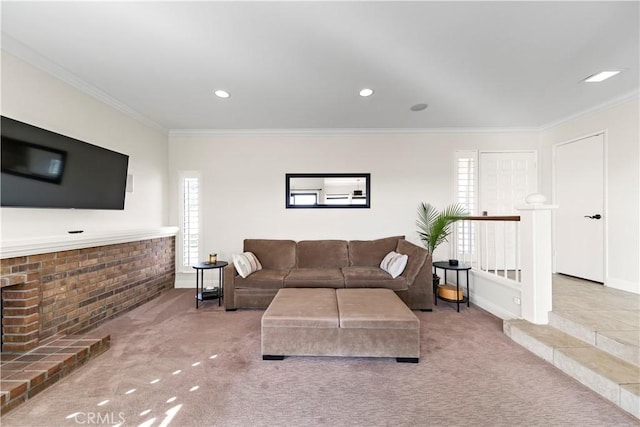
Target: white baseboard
[185, 283]
[623, 285]
[188, 280]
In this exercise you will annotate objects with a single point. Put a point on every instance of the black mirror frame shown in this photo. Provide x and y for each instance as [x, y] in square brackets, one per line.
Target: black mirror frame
[287, 188]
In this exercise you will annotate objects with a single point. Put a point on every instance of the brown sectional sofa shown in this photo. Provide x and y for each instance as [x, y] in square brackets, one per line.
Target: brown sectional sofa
[329, 264]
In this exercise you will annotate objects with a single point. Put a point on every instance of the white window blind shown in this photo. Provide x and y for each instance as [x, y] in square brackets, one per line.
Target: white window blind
[190, 219]
[466, 195]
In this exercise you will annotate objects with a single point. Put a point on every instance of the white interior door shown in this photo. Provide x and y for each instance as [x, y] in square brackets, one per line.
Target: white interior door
[506, 178]
[579, 194]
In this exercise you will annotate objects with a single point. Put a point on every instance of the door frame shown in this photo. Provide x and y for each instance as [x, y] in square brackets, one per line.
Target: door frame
[605, 199]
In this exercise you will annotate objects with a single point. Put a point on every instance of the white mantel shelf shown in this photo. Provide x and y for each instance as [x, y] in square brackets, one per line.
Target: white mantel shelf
[65, 242]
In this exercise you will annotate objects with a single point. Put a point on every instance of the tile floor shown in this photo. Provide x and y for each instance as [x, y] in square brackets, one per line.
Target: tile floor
[603, 315]
[593, 336]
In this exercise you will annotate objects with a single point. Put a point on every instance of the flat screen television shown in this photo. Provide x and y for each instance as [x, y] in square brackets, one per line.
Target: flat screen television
[43, 169]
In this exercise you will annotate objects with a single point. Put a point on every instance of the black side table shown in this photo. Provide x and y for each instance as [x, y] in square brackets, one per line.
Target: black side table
[457, 268]
[213, 293]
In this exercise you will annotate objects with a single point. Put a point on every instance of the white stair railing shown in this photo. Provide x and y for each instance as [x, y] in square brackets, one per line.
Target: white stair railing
[490, 244]
[515, 248]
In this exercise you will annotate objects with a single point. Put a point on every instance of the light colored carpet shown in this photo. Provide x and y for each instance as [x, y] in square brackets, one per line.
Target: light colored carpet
[209, 372]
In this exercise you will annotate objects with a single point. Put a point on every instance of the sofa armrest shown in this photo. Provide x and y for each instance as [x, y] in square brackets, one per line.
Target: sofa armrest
[420, 293]
[229, 291]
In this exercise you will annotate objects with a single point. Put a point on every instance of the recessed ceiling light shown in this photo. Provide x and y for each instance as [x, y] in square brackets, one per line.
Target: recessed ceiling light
[418, 107]
[366, 92]
[598, 77]
[221, 93]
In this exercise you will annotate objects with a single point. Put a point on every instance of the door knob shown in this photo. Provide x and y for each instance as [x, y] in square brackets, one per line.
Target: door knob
[596, 216]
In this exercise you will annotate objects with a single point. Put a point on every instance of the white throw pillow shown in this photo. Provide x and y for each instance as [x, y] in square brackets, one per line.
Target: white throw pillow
[246, 263]
[394, 263]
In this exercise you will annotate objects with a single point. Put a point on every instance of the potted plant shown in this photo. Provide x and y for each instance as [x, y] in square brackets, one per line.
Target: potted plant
[434, 227]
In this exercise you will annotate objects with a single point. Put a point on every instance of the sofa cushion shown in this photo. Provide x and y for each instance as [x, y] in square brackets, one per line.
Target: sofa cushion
[273, 254]
[323, 254]
[314, 278]
[417, 257]
[372, 277]
[369, 253]
[262, 279]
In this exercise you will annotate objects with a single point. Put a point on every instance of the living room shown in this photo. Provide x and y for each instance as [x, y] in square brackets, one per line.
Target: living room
[242, 169]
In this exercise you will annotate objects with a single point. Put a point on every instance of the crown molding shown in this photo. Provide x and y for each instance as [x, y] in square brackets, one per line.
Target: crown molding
[596, 109]
[634, 95]
[28, 55]
[342, 131]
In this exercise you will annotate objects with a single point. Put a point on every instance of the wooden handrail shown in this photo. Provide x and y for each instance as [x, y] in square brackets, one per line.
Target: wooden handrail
[492, 218]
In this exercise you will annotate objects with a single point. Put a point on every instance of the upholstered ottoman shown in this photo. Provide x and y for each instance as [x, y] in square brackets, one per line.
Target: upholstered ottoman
[340, 322]
[376, 323]
[301, 322]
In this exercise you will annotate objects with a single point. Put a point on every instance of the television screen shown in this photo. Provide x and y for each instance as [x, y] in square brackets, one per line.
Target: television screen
[32, 161]
[44, 169]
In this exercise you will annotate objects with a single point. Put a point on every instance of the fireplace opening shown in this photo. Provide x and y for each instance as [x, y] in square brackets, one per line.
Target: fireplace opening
[20, 311]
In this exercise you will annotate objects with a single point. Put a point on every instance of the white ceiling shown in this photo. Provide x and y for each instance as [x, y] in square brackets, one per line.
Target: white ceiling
[300, 65]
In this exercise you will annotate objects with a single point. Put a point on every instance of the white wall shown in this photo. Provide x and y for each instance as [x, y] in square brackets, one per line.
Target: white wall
[243, 181]
[494, 294]
[622, 125]
[35, 97]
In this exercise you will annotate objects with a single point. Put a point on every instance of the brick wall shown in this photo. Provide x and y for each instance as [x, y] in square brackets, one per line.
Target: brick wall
[73, 291]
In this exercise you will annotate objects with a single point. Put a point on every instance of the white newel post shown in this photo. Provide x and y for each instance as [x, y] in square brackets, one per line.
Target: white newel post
[535, 232]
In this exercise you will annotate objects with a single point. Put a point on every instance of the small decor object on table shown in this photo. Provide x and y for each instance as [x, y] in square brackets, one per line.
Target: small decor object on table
[213, 258]
[450, 293]
[209, 293]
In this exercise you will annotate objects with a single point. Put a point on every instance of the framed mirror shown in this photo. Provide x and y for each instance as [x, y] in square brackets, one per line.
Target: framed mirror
[327, 190]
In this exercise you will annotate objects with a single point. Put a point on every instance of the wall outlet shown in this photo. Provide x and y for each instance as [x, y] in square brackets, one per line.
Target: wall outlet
[516, 300]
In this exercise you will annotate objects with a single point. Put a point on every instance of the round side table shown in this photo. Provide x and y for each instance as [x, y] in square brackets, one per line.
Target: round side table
[457, 268]
[211, 293]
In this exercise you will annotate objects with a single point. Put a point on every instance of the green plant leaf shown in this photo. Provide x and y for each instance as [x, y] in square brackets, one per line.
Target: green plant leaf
[434, 227]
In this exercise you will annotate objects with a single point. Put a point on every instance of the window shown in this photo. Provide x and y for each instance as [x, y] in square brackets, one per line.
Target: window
[189, 219]
[304, 199]
[466, 195]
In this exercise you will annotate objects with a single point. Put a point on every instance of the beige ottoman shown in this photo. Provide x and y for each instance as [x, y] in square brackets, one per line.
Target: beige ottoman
[301, 322]
[376, 323]
[340, 322]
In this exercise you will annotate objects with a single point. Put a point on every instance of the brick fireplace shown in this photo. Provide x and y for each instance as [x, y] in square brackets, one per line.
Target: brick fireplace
[55, 289]
[48, 295]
